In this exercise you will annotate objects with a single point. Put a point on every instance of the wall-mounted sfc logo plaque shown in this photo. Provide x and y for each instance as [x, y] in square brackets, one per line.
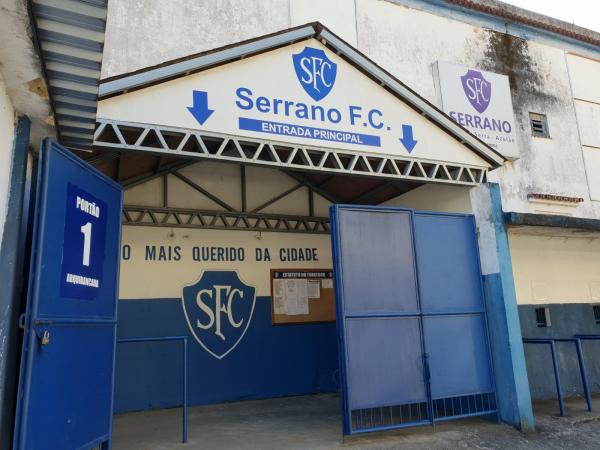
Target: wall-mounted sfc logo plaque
[315, 71]
[477, 89]
[218, 309]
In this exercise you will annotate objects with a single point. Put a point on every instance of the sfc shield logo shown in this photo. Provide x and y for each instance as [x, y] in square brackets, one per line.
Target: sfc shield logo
[218, 309]
[315, 71]
[477, 89]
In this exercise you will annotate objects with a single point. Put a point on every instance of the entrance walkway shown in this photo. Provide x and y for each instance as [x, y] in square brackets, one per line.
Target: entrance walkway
[313, 423]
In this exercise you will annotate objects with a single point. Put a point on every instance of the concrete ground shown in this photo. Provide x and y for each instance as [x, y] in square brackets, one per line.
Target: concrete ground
[313, 423]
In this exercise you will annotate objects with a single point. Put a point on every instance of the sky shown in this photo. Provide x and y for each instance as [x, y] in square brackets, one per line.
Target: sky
[585, 13]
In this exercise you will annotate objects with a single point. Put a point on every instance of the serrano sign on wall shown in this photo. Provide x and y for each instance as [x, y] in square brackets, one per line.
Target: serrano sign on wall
[479, 101]
[302, 93]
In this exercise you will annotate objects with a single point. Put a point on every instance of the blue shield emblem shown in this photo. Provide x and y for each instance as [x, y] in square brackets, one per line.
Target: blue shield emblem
[218, 309]
[315, 71]
[477, 89]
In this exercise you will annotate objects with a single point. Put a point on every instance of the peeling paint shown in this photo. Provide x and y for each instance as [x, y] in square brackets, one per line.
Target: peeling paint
[38, 86]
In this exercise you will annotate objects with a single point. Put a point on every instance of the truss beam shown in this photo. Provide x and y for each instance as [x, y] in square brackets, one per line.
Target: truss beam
[218, 220]
[201, 145]
[163, 170]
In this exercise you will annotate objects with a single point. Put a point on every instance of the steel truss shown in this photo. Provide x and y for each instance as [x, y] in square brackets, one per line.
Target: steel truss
[229, 220]
[202, 145]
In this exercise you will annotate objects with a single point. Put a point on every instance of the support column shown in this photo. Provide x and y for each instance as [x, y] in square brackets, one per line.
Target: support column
[512, 385]
[12, 279]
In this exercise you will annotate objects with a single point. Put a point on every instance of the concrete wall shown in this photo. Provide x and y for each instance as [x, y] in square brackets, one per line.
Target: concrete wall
[406, 37]
[587, 105]
[562, 273]
[391, 33]
[567, 319]
[555, 269]
[268, 360]
[7, 128]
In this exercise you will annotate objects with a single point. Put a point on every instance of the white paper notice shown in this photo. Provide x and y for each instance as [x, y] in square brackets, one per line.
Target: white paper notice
[327, 283]
[296, 296]
[279, 297]
[314, 288]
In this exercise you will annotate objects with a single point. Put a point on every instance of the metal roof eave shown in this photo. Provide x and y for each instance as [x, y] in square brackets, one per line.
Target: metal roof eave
[70, 37]
[196, 63]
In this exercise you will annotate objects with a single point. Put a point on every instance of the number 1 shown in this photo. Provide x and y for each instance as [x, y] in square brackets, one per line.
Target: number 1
[87, 242]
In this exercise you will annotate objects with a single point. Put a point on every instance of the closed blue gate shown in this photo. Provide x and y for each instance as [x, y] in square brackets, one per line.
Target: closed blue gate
[411, 319]
[66, 380]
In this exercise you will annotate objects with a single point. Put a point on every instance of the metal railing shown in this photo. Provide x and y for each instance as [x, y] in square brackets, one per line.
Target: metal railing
[183, 339]
[577, 341]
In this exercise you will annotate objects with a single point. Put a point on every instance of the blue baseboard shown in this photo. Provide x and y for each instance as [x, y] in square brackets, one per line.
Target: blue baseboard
[270, 361]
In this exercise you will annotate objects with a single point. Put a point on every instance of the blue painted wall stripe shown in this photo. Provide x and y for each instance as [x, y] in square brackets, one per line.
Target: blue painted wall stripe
[270, 361]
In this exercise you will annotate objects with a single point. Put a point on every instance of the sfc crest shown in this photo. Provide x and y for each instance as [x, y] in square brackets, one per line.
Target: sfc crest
[315, 71]
[477, 89]
[218, 309]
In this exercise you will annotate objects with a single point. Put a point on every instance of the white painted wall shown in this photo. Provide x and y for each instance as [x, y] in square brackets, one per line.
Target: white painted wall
[405, 41]
[143, 33]
[223, 180]
[7, 128]
[584, 74]
[435, 197]
[141, 278]
[555, 269]
[338, 15]
[148, 279]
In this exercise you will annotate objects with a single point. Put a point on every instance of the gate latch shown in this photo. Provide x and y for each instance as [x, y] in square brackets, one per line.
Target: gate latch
[43, 336]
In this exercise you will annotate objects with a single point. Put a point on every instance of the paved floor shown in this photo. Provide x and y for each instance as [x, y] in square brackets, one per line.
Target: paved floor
[313, 423]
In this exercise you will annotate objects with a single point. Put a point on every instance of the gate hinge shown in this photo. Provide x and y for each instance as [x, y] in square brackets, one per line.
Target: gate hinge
[22, 321]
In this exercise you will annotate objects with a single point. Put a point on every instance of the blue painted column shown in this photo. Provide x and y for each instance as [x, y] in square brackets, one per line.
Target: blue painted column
[512, 386]
[12, 276]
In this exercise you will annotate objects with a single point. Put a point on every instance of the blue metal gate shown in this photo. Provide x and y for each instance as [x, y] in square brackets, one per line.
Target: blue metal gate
[66, 379]
[411, 320]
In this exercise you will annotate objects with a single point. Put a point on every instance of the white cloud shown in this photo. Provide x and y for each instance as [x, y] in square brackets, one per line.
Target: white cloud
[585, 13]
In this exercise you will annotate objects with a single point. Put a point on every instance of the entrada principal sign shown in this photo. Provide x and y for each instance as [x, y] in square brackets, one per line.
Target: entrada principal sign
[316, 74]
[298, 94]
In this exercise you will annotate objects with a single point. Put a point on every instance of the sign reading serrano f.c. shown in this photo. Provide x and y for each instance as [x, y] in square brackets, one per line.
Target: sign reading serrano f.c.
[218, 309]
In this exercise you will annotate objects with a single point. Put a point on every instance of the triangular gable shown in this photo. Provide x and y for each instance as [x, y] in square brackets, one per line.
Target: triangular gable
[314, 92]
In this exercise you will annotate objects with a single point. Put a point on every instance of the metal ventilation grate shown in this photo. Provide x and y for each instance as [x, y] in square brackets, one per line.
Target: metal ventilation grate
[70, 35]
[539, 125]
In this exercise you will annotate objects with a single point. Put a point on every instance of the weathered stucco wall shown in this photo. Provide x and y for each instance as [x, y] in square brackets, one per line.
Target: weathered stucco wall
[7, 128]
[148, 32]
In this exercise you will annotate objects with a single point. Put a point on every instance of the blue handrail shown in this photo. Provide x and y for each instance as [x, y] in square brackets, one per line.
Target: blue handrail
[184, 418]
[577, 341]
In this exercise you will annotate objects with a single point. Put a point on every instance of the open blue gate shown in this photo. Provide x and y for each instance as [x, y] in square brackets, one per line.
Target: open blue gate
[411, 319]
[67, 362]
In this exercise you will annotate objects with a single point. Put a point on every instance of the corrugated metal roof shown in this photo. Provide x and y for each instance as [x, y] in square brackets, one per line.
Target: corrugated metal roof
[70, 36]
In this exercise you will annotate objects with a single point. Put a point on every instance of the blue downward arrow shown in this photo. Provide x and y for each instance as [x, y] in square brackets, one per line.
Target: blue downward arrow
[200, 109]
[407, 138]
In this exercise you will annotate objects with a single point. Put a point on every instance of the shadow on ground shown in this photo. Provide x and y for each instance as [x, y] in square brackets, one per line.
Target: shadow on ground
[313, 423]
